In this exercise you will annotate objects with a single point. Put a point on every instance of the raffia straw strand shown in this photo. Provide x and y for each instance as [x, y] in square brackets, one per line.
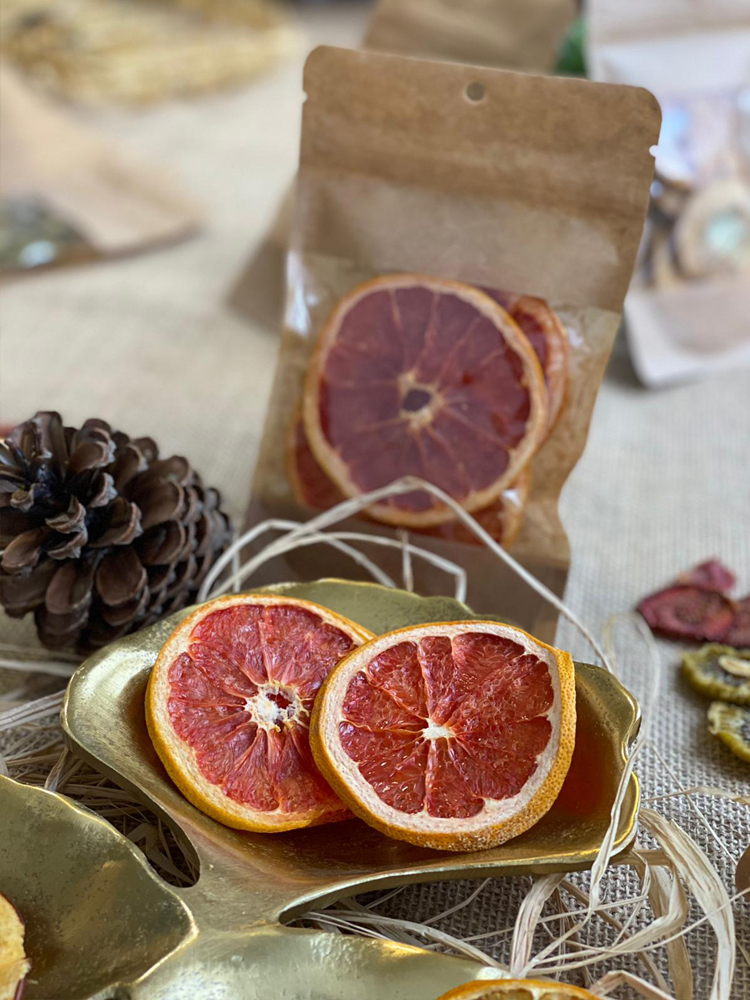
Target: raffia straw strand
[458, 906]
[613, 980]
[407, 571]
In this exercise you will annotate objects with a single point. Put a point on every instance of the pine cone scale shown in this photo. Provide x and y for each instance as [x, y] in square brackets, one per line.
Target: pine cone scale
[161, 544]
[69, 590]
[24, 551]
[120, 577]
[163, 503]
[69, 547]
[22, 593]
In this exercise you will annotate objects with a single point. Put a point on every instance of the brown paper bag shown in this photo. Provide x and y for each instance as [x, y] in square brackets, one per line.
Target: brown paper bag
[539, 187]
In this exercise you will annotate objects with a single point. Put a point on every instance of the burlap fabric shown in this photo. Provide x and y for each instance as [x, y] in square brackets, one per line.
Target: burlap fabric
[149, 344]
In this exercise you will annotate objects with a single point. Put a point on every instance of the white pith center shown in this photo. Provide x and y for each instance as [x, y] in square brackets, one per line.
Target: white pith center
[432, 731]
[425, 414]
[267, 713]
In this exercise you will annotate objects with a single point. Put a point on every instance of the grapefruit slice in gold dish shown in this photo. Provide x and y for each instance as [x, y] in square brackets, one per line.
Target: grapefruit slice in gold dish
[228, 707]
[422, 376]
[451, 735]
[517, 989]
[547, 336]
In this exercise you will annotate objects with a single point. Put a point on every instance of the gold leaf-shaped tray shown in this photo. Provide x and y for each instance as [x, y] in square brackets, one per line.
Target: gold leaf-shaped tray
[224, 937]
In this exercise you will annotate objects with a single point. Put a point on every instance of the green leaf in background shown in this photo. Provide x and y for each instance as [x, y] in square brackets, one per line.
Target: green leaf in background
[571, 60]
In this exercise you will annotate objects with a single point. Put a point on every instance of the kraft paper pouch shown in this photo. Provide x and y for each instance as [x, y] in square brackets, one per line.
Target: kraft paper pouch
[521, 198]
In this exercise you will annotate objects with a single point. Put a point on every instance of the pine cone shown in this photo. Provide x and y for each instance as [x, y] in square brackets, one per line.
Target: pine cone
[99, 536]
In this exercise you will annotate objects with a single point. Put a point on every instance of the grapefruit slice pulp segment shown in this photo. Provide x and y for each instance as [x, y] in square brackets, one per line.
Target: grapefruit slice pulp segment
[502, 518]
[421, 376]
[455, 735]
[547, 336]
[228, 706]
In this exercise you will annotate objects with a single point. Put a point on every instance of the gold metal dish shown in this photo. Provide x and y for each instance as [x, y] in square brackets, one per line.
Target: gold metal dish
[135, 937]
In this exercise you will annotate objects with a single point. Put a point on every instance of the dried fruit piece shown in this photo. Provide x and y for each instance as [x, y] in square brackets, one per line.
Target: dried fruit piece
[688, 612]
[517, 989]
[455, 736]
[421, 376]
[14, 965]
[228, 706]
[547, 336]
[719, 672]
[309, 482]
[739, 630]
[710, 575]
[731, 723]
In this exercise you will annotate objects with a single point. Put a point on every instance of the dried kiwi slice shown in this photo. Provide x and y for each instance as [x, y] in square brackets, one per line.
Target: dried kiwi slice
[719, 672]
[731, 723]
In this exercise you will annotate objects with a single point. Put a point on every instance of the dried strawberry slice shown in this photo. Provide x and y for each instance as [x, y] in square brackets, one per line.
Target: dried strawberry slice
[710, 575]
[739, 631]
[688, 612]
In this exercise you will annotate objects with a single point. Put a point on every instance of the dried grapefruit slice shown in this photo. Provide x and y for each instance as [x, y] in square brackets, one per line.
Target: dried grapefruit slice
[547, 336]
[421, 376]
[502, 518]
[454, 735]
[228, 705]
[516, 989]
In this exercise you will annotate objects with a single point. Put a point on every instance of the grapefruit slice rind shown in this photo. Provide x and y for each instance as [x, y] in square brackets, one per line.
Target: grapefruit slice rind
[416, 375]
[546, 334]
[228, 707]
[455, 736]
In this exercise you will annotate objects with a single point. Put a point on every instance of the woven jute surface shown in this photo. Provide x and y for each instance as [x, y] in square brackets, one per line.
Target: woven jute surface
[150, 344]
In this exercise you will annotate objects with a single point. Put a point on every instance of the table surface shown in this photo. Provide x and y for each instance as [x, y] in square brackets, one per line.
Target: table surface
[151, 344]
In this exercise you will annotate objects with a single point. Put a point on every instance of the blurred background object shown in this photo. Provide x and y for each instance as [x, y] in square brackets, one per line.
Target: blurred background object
[509, 34]
[141, 51]
[69, 195]
[687, 311]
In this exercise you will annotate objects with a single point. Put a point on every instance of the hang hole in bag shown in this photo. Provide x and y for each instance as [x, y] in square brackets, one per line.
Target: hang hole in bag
[475, 92]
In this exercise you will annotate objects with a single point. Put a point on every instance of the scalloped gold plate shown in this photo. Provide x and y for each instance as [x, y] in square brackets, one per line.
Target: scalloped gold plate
[225, 937]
